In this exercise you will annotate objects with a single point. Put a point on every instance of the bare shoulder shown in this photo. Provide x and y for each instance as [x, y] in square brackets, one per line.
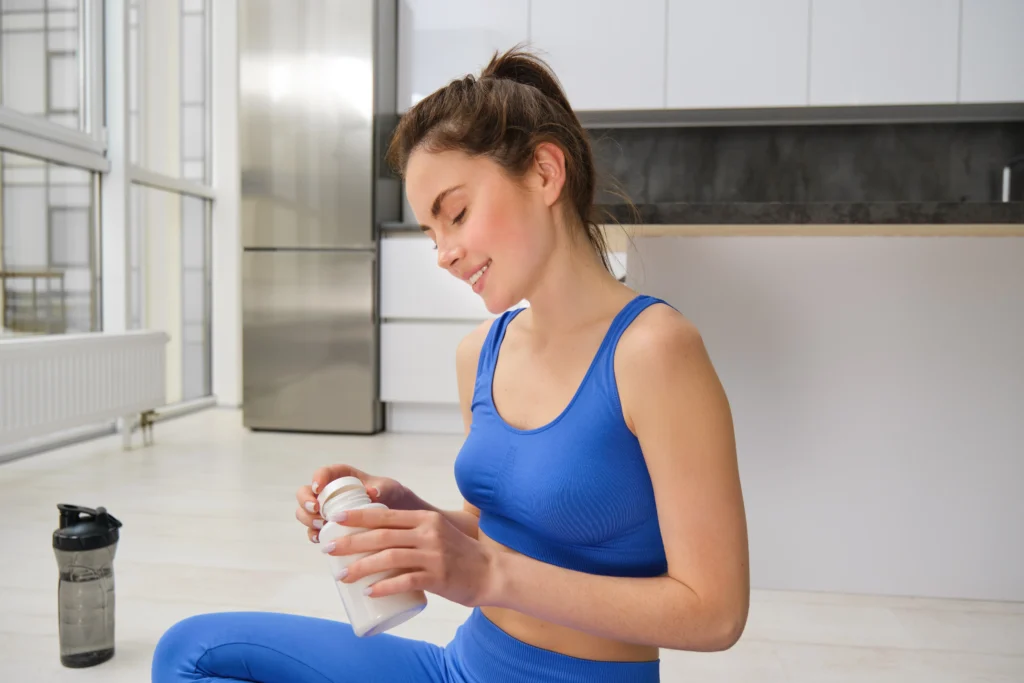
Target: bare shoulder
[662, 357]
[659, 335]
[467, 353]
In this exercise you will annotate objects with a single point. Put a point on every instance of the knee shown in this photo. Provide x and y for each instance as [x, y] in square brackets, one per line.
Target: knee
[180, 647]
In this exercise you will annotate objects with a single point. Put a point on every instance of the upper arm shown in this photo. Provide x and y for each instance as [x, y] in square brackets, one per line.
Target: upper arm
[467, 357]
[675, 404]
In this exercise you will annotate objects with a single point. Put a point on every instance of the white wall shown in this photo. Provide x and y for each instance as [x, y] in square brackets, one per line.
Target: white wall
[227, 237]
[878, 392]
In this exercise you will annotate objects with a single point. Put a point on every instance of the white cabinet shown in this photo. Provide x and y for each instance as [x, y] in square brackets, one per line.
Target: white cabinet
[413, 286]
[440, 40]
[992, 51]
[417, 361]
[737, 53]
[883, 51]
[608, 54]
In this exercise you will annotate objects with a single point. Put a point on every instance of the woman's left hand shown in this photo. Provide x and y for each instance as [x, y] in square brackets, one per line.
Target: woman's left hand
[428, 552]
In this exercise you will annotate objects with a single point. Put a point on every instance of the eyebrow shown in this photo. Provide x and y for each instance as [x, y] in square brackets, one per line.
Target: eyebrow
[435, 209]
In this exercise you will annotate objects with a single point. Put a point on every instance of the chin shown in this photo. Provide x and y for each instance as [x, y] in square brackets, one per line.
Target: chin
[495, 307]
[498, 303]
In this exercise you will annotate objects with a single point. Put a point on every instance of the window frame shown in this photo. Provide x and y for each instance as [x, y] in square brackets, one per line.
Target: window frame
[85, 148]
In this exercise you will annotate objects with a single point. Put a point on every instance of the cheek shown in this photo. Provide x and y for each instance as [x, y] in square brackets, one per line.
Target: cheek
[496, 233]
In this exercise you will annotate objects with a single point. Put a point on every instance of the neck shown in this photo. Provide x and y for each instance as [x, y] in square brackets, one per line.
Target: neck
[574, 290]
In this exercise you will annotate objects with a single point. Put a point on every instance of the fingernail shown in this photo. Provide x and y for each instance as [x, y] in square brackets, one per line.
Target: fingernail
[329, 548]
[368, 591]
[314, 538]
[338, 516]
[342, 574]
[318, 524]
[315, 486]
[310, 506]
[375, 492]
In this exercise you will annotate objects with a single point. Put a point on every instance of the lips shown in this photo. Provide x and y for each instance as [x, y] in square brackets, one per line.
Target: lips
[479, 273]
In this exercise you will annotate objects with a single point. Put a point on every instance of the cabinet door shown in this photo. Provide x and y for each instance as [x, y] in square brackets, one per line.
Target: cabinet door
[737, 53]
[441, 40]
[883, 51]
[412, 286]
[417, 361]
[608, 54]
[992, 51]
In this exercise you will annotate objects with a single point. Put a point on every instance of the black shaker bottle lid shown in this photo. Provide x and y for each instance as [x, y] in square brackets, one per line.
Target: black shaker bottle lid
[84, 528]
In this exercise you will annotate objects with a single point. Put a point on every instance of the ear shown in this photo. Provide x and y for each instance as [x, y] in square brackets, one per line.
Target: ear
[549, 165]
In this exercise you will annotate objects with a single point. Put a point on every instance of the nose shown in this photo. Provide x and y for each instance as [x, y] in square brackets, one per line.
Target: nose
[448, 253]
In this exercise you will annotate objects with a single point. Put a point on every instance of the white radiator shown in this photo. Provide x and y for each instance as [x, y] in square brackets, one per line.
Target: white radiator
[57, 383]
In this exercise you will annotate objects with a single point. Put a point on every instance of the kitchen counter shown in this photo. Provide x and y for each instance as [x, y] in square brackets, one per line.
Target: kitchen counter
[818, 213]
[847, 219]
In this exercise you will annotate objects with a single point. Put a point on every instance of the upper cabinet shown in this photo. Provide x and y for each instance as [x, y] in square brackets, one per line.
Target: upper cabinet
[868, 52]
[992, 51]
[623, 55]
[441, 40]
[737, 53]
[608, 54]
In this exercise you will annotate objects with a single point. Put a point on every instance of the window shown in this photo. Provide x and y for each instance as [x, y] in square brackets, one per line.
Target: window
[169, 283]
[62, 151]
[41, 59]
[48, 242]
[168, 63]
[170, 197]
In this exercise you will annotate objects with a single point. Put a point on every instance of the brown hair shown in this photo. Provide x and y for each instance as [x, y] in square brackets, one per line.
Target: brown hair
[514, 105]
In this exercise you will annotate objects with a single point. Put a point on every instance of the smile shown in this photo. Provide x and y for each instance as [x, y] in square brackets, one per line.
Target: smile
[478, 274]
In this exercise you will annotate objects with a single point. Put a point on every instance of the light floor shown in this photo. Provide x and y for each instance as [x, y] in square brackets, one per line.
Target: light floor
[208, 525]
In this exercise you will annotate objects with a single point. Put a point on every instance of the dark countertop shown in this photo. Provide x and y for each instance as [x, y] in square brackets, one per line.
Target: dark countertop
[399, 226]
[825, 213]
[808, 213]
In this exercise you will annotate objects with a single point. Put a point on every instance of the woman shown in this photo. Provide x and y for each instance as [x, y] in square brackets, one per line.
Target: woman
[604, 517]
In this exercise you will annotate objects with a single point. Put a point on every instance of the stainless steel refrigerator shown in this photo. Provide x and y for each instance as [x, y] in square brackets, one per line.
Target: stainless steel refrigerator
[316, 109]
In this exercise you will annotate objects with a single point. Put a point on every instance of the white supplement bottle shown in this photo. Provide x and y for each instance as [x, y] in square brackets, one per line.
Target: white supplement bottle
[368, 615]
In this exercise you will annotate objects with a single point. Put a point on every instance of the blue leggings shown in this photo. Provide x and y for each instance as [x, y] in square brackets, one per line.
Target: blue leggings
[259, 647]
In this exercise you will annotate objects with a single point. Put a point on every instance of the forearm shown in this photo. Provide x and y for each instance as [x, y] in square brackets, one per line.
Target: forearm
[658, 611]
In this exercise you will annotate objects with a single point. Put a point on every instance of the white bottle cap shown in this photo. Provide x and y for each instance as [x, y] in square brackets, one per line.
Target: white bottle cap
[338, 486]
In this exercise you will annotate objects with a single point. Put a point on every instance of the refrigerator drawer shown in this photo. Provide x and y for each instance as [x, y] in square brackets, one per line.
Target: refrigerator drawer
[309, 341]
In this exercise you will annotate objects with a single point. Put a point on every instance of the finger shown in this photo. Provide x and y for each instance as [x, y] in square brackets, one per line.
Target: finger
[312, 521]
[313, 535]
[403, 583]
[307, 500]
[373, 488]
[400, 559]
[375, 518]
[371, 541]
[325, 475]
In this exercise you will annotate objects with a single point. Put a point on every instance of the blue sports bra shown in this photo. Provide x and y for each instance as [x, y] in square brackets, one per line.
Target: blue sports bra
[575, 492]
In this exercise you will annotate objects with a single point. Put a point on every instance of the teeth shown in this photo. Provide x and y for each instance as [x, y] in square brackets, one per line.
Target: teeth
[476, 276]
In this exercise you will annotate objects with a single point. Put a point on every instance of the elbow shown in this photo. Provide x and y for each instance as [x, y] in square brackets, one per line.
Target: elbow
[722, 631]
[727, 633]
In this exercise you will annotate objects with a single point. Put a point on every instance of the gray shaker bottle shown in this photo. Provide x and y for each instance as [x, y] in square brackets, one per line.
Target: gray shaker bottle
[85, 545]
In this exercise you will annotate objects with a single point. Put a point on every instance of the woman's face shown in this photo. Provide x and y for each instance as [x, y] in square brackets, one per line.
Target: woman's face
[490, 231]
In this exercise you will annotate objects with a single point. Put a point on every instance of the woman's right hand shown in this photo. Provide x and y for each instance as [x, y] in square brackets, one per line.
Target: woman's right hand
[380, 490]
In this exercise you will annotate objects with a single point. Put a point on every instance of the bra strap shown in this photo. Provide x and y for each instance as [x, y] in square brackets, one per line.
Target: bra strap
[620, 323]
[492, 344]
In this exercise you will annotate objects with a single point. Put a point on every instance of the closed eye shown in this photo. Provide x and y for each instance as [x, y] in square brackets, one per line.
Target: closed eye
[458, 219]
